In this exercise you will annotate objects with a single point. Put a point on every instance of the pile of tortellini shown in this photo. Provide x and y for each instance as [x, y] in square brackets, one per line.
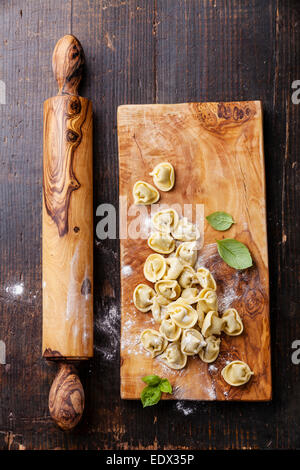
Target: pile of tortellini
[183, 301]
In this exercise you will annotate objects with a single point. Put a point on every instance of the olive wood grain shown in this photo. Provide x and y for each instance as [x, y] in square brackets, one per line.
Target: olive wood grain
[217, 153]
[67, 64]
[66, 397]
[67, 230]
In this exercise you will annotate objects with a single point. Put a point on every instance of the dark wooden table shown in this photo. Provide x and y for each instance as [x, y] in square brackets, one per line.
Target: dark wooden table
[142, 51]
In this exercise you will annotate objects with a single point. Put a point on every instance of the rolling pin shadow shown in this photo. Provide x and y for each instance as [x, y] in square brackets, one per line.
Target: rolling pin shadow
[67, 233]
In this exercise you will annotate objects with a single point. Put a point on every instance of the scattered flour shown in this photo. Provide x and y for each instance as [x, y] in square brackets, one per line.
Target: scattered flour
[16, 289]
[108, 327]
[185, 410]
[131, 340]
[226, 299]
[167, 371]
[212, 392]
[130, 343]
[127, 270]
[203, 257]
[16, 292]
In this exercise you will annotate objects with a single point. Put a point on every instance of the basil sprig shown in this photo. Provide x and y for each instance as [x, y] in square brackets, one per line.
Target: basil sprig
[155, 386]
[234, 253]
[220, 220]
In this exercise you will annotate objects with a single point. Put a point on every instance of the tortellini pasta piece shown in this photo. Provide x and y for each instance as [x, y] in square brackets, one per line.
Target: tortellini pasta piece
[212, 324]
[174, 268]
[207, 301]
[201, 317]
[161, 242]
[191, 342]
[206, 279]
[153, 342]
[182, 314]
[164, 176]
[154, 267]
[156, 310]
[165, 220]
[185, 231]
[211, 351]
[173, 357]
[187, 252]
[143, 297]
[237, 373]
[159, 312]
[232, 322]
[190, 295]
[167, 291]
[188, 277]
[144, 193]
[170, 330]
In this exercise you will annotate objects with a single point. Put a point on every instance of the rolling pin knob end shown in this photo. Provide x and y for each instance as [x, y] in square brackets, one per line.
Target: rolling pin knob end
[66, 398]
[67, 63]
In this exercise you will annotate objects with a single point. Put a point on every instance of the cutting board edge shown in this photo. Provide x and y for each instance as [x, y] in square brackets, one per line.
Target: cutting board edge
[149, 105]
[268, 398]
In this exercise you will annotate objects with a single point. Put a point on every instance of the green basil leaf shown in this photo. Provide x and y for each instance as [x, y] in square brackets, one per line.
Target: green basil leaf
[150, 396]
[234, 253]
[165, 386]
[220, 220]
[151, 380]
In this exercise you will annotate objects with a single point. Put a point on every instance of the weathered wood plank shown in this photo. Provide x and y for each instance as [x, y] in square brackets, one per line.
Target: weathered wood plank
[28, 34]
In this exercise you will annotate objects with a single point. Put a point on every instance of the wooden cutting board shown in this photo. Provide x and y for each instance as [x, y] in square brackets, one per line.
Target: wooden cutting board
[217, 153]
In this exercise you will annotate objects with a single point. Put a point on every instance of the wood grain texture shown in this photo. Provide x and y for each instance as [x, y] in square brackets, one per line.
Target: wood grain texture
[67, 63]
[67, 232]
[217, 152]
[66, 398]
[138, 51]
[67, 228]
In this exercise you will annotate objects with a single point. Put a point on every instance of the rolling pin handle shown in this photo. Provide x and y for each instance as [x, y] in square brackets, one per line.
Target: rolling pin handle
[66, 397]
[67, 64]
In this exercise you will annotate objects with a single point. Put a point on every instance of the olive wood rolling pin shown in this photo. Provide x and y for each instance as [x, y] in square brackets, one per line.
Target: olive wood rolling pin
[67, 233]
